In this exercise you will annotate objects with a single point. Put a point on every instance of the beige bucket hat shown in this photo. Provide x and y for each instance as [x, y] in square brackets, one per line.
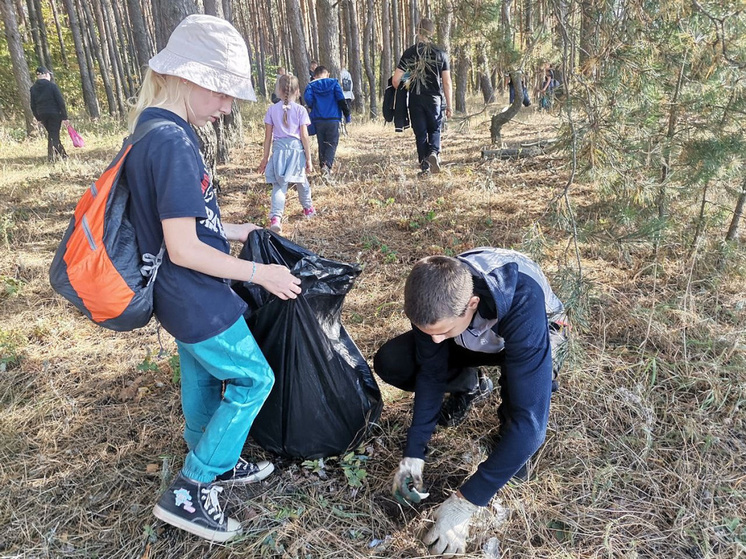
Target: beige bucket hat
[210, 52]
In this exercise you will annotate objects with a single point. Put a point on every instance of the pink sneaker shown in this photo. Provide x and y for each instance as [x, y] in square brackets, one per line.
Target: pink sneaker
[275, 224]
[309, 212]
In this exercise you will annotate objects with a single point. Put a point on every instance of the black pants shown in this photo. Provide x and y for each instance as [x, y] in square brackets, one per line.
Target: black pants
[327, 133]
[395, 364]
[426, 115]
[53, 123]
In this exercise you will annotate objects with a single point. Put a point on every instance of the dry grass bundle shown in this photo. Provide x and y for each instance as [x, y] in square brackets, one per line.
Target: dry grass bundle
[644, 454]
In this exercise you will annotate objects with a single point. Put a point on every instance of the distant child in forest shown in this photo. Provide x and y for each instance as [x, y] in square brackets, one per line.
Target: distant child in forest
[273, 96]
[286, 137]
[327, 102]
[225, 378]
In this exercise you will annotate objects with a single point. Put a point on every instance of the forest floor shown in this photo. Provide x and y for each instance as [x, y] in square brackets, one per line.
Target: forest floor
[645, 449]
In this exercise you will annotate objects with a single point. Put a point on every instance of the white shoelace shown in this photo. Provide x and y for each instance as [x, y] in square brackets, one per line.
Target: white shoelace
[211, 503]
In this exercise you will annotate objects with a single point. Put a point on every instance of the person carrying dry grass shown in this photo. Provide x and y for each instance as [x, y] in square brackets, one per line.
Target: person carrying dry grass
[427, 77]
[486, 307]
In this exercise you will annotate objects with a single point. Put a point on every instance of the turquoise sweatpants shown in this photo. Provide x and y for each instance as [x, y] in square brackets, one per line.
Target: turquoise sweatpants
[217, 422]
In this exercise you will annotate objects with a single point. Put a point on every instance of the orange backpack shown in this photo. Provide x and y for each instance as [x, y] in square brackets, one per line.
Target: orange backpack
[98, 266]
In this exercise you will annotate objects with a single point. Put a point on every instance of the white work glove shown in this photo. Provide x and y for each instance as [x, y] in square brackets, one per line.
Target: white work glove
[407, 484]
[448, 536]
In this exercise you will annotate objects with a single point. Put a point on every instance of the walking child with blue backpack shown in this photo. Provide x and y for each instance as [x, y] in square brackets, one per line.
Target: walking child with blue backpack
[286, 139]
[325, 98]
[225, 378]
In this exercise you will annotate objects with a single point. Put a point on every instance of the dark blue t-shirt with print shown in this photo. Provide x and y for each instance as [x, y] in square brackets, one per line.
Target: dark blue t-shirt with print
[167, 179]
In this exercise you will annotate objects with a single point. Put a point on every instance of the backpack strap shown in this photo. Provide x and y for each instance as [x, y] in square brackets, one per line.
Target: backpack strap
[151, 262]
[142, 130]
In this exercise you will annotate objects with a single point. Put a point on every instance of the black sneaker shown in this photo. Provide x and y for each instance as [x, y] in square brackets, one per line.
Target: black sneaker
[194, 507]
[521, 475]
[246, 472]
[558, 342]
[457, 405]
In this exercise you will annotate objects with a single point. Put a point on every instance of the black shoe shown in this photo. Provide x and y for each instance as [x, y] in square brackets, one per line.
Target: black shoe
[246, 472]
[194, 507]
[521, 475]
[457, 405]
[558, 343]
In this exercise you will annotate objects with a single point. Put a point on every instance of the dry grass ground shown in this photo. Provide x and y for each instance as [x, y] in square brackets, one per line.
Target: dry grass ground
[646, 443]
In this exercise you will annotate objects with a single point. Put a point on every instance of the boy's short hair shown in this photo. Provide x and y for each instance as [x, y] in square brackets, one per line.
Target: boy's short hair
[320, 70]
[437, 288]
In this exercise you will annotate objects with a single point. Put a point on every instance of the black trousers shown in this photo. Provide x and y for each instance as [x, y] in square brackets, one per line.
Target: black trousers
[396, 365]
[426, 116]
[327, 134]
[53, 123]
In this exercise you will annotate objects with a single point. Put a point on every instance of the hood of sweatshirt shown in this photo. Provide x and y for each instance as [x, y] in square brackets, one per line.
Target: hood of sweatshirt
[322, 85]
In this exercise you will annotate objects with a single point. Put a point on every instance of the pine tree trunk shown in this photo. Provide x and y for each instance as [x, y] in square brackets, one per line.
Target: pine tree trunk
[300, 60]
[328, 30]
[63, 51]
[125, 54]
[113, 40]
[313, 30]
[445, 22]
[167, 14]
[369, 42]
[414, 19]
[140, 33]
[86, 31]
[34, 28]
[503, 117]
[386, 56]
[461, 79]
[89, 92]
[43, 35]
[485, 84]
[732, 233]
[214, 8]
[228, 134]
[99, 55]
[395, 29]
[262, 75]
[355, 66]
[18, 61]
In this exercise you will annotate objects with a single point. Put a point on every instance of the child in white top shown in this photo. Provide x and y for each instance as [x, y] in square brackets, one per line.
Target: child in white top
[286, 136]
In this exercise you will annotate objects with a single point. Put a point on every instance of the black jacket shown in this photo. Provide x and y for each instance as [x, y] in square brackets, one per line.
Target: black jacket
[395, 106]
[46, 99]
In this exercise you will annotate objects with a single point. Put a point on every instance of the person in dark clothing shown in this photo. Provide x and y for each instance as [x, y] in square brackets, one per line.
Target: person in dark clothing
[325, 99]
[49, 108]
[424, 69]
[485, 307]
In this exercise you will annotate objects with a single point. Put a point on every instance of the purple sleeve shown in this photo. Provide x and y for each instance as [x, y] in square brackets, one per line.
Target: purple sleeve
[268, 116]
[303, 118]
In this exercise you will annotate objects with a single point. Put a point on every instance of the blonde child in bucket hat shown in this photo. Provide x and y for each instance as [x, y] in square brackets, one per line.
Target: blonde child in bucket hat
[224, 376]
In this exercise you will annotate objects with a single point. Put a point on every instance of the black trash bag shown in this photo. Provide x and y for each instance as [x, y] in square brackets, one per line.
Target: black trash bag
[324, 395]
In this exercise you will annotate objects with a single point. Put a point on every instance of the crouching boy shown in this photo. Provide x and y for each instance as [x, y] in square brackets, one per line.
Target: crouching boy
[490, 307]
